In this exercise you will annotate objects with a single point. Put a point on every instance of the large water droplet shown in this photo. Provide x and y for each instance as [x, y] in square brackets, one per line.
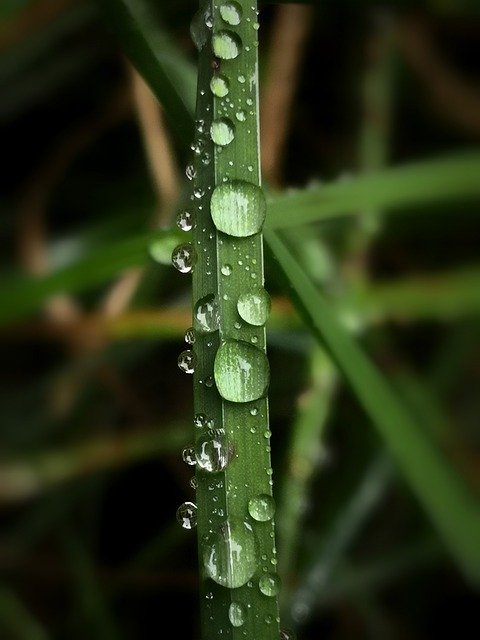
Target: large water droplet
[212, 452]
[219, 86]
[238, 208]
[241, 371]
[222, 131]
[231, 12]
[186, 361]
[269, 584]
[226, 45]
[237, 614]
[254, 306]
[206, 314]
[187, 515]
[185, 220]
[261, 507]
[183, 257]
[229, 556]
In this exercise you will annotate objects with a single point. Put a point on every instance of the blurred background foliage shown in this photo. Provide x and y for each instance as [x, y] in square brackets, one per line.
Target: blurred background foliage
[94, 411]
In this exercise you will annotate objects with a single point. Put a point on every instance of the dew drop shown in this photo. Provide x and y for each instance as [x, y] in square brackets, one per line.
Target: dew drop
[219, 86]
[231, 12]
[238, 208]
[186, 361]
[261, 507]
[206, 314]
[241, 116]
[190, 336]
[226, 269]
[237, 614]
[254, 306]
[198, 30]
[269, 584]
[183, 257]
[188, 456]
[193, 482]
[209, 382]
[222, 131]
[190, 171]
[287, 634]
[241, 371]
[187, 515]
[185, 220]
[229, 556]
[199, 420]
[226, 45]
[212, 452]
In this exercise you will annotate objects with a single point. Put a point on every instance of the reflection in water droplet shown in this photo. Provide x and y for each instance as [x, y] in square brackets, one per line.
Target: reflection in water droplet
[261, 507]
[241, 371]
[212, 452]
[185, 220]
[206, 314]
[187, 515]
[229, 555]
[226, 45]
[269, 584]
[219, 86]
[222, 131]
[237, 614]
[186, 361]
[254, 306]
[231, 12]
[183, 257]
[238, 208]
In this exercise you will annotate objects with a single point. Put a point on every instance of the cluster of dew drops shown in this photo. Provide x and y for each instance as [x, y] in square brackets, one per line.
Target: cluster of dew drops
[237, 209]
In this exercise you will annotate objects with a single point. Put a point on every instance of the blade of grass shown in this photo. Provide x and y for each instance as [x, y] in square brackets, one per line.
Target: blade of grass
[445, 498]
[16, 621]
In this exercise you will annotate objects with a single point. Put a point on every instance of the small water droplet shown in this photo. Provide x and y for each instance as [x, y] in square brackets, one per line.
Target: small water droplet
[241, 116]
[226, 45]
[238, 208]
[269, 584]
[188, 456]
[241, 371]
[190, 336]
[186, 361]
[231, 12]
[287, 634]
[237, 614]
[229, 555]
[261, 507]
[212, 452]
[219, 86]
[190, 171]
[254, 411]
[209, 382]
[198, 30]
[183, 257]
[206, 314]
[199, 420]
[254, 306]
[222, 131]
[269, 619]
[226, 269]
[185, 220]
[187, 515]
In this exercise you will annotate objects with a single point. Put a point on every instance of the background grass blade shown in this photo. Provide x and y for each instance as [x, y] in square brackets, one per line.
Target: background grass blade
[437, 486]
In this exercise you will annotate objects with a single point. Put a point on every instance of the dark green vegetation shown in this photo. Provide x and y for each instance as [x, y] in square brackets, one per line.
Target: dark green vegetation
[370, 164]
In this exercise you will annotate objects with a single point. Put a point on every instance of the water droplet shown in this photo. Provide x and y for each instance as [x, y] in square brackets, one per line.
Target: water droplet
[185, 220]
[238, 208]
[231, 12]
[206, 314]
[190, 171]
[237, 614]
[269, 584]
[212, 452]
[241, 371]
[193, 482]
[226, 45]
[199, 420]
[241, 78]
[261, 507]
[241, 116]
[188, 456]
[229, 555]
[226, 269]
[254, 306]
[269, 618]
[219, 86]
[187, 515]
[186, 361]
[254, 411]
[190, 336]
[183, 257]
[209, 382]
[287, 634]
[198, 30]
[222, 131]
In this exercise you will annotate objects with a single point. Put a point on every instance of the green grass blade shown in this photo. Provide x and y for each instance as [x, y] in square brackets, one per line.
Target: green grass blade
[16, 621]
[444, 497]
[439, 180]
[162, 65]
